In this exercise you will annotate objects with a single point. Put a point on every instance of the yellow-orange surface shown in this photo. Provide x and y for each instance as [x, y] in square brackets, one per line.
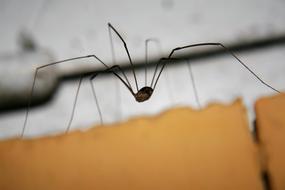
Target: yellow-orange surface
[270, 114]
[179, 149]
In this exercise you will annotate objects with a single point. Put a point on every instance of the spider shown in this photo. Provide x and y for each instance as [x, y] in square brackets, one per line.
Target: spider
[141, 94]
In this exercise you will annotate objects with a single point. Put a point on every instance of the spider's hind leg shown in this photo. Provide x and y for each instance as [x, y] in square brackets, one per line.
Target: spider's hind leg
[74, 105]
[164, 62]
[193, 84]
[112, 70]
[95, 97]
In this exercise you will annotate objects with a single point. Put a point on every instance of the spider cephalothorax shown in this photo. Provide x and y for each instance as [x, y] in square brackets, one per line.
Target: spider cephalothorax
[143, 94]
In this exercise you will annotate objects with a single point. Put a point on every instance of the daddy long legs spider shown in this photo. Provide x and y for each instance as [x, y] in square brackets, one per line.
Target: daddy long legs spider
[140, 94]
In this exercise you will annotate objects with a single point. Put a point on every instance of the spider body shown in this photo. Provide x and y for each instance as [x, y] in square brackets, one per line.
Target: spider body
[143, 94]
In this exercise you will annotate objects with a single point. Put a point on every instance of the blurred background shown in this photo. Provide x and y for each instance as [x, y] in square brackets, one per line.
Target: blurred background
[38, 32]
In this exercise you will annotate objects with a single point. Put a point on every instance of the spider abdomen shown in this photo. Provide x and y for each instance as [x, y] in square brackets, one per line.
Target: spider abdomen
[143, 94]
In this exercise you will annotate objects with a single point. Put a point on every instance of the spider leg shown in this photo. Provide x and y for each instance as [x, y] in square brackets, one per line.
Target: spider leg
[157, 42]
[166, 60]
[119, 99]
[75, 101]
[113, 53]
[54, 63]
[193, 84]
[147, 41]
[112, 70]
[213, 44]
[74, 105]
[96, 101]
[126, 48]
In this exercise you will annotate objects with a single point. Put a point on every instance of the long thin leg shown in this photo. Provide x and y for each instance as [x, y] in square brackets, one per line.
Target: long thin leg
[193, 84]
[96, 101]
[166, 60]
[119, 100]
[29, 103]
[146, 60]
[113, 54]
[147, 41]
[128, 53]
[212, 44]
[74, 105]
[112, 70]
[156, 68]
[155, 71]
[54, 63]
[127, 84]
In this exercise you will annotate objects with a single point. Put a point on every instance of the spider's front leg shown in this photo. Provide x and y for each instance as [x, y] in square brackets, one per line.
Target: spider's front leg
[112, 70]
[29, 103]
[226, 49]
[164, 61]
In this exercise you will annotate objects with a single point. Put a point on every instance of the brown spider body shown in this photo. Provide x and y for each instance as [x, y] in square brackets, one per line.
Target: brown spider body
[143, 94]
